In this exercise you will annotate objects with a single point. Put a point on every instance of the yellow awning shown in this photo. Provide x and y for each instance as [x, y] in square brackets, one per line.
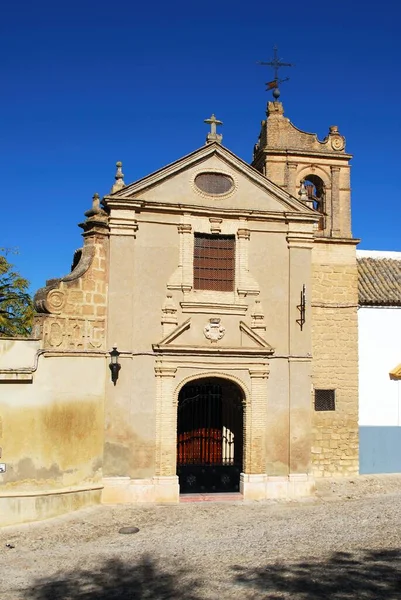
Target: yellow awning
[396, 373]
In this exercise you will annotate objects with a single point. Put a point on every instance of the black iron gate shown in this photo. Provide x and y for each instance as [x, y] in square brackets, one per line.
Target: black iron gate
[209, 437]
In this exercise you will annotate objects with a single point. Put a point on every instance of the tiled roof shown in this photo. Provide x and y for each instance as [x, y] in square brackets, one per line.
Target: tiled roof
[379, 281]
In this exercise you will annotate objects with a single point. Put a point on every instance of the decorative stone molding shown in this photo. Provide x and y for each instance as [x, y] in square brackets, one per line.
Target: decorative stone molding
[41, 299]
[243, 234]
[213, 330]
[215, 224]
[162, 370]
[258, 317]
[55, 301]
[217, 197]
[123, 226]
[119, 179]
[213, 308]
[256, 338]
[73, 333]
[176, 332]
[259, 373]
[210, 374]
[184, 228]
[169, 318]
[300, 240]
[337, 141]
[71, 311]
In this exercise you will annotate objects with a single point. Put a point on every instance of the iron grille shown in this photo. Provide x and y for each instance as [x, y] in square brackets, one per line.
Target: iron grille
[209, 437]
[214, 262]
[325, 400]
[215, 184]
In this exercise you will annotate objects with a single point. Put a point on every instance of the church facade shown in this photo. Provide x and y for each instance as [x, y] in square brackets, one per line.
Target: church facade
[204, 341]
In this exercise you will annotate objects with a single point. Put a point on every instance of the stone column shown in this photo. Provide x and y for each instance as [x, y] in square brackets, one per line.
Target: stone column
[165, 480]
[253, 480]
[292, 178]
[335, 202]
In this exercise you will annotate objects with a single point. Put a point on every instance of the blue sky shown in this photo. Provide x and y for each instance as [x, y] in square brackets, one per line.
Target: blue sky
[87, 83]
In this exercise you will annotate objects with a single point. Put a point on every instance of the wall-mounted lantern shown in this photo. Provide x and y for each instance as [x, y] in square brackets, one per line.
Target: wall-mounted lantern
[114, 364]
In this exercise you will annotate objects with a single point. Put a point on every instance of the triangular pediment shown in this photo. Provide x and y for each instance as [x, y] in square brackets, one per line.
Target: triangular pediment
[178, 341]
[175, 185]
[254, 337]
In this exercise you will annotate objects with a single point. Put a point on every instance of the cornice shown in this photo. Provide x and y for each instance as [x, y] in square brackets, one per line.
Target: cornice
[149, 206]
[337, 240]
[307, 153]
[197, 306]
[194, 351]
[194, 159]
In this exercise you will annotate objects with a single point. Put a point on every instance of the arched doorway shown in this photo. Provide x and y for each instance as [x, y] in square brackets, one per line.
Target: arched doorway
[210, 436]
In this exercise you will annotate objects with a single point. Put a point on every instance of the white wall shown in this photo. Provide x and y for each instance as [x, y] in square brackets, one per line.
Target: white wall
[379, 353]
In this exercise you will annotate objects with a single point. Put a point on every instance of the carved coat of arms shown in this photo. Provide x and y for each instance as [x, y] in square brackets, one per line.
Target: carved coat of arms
[214, 330]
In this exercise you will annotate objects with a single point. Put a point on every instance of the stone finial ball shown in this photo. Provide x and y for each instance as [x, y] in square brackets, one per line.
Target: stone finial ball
[119, 164]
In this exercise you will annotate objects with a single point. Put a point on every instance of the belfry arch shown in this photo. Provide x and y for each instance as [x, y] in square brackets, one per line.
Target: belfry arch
[210, 435]
[316, 191]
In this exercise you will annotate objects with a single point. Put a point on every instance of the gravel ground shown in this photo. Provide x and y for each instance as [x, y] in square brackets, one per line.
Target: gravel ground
[344, 543]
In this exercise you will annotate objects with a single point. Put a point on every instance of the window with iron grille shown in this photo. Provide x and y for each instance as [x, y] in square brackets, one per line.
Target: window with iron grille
[325, 400]
[215, 184]
[214, 262]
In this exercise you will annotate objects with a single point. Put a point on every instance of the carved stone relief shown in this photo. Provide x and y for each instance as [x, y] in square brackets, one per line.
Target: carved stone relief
[74, 334]
[214, 330]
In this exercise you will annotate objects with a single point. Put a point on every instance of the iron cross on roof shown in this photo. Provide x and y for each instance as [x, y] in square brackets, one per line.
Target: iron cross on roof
[276, 63]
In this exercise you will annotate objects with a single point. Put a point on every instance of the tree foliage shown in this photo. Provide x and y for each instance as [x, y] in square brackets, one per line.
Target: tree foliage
[16, 308]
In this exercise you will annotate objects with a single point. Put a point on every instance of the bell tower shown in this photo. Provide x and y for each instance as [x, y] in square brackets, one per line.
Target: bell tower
[317, 172]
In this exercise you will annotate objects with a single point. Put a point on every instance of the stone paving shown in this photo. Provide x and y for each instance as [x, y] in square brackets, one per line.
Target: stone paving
[342, 544]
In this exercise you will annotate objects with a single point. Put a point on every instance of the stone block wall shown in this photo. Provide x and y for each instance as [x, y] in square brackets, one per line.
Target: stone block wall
[71, 311]
[335, 361]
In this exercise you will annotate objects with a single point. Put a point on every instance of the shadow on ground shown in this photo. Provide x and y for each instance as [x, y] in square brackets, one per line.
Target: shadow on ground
[118, 580]
[369, 575]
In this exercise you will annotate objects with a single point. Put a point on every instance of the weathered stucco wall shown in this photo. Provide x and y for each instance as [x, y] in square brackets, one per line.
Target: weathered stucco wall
[51, 434]
[52, 391]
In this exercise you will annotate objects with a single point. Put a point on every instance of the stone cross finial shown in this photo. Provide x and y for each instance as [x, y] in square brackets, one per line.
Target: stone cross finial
[213, 136]
[119, 177]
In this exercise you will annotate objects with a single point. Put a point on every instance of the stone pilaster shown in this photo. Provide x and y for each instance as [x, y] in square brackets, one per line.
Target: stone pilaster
[292, 178]
[255, 423]
[166, 422]
[335, 202]
[246, 286]
[165, 481]
[253, 480]
[186, 255]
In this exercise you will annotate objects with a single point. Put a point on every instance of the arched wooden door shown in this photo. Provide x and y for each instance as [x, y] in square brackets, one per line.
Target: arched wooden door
[209, 436]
